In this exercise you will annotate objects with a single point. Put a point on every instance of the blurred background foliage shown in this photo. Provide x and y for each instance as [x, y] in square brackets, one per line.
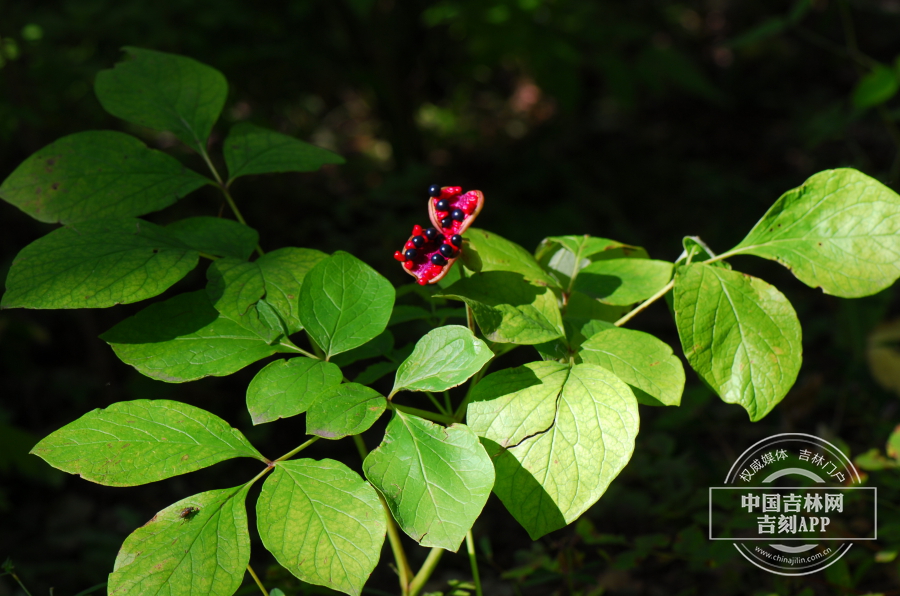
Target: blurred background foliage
[642, 121]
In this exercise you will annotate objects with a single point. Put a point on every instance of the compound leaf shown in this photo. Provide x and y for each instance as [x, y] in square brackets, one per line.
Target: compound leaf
[136, 442]
[199, 545]
[322, 522]
[445, 357]
[345, 410]
[250, 149]
[164, 92]
[564, 257]
[97, 174]
[216, 236]
[485, 251]
[435, 480]
[97, 264]
[285, 388]
[739, 333]
[840, 230]
[621, 282]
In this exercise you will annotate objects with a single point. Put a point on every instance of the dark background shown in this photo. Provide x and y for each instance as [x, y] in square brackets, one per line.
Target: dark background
[634, 120]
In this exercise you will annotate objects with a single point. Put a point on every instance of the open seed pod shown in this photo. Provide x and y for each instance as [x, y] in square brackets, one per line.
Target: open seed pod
[451, 210]
[428, 255]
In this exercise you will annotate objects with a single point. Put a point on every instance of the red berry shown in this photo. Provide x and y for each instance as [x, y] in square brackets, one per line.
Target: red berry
[408, 264]
[399, 256]
[409, 244]
[416, 230]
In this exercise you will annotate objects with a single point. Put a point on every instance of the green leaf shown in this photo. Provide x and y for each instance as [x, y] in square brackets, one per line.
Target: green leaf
[648, 365]
[840, 231]
[557, 438]
[136, 442]
[235, 286]
[164, 92]
[565, 256]
[380, 345]
[184, 339]
[876, 87]
[199, 545]
[250, 149]
[443, 358]
[373, 372]
[583, 318]
[739, 333]
[435, 480]
[508, 309]
[345, 410]
[344, 303]
[403, 313]
[485, 251]
[697, 250]
[97, 264]
[285, 388]
[216, 236]
[97, 174]
[622, 282]
[322, 522]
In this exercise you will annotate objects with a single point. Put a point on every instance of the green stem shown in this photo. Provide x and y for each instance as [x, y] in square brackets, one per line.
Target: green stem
[448, 405]
[662, 292]
[21, 585]
[425, 571]
[470, 319]
[256, 579]
[437, 404]
[433, 416]
[207, 256]
[361, 447]
[289, 344]
[461, 410]
[91, 590]
[320, 354]
[470, 548]
[291, 454]
[224, 188]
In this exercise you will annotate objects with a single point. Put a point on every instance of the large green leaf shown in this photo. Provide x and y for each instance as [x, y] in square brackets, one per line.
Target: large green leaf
[136, 442]
[322, 522]
[557, 438]
[236, 286]
[164, 92]
[345, 410]
[216, 236]
[285, 388]
[582, 318]
[739, 333]
[647, 364]
[197, 546]
[621, 282]
[250, 149]
[344, 303]
[565, 256]
[509, 309]
[485, 251]
[435, 480]
[876, 87]
[97, 174]
[97, 264]
[184, 339]
[840, 230]
[445, 357]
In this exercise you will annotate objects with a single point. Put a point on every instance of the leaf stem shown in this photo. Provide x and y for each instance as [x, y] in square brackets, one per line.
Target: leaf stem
[294, 452]
[297, 349]
[631, 314]
[426, 570]
[461, 410]
[208, 256]
[470, 548]
[437, 404]
[470, 319]
[256, 579]
[433, 416]
[224, 188]
[11, 571]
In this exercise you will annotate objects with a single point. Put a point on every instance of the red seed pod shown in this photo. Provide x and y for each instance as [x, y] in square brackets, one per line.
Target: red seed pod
[422, 265]
[466, 206]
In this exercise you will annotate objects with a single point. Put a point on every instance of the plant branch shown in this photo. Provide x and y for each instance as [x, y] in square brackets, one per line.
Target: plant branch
[256, 579]
[470, 548]
[630, 315]
[294, 452]
[224, 188]
[426, 570]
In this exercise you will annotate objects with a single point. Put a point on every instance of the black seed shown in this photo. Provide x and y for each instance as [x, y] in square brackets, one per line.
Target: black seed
[419, 241]
[447, 251]
[456, 240]
[411, 254]
[439, 239]
[430, 233]
[438, 260]
[458, 215]
[434, 190]
[443, 205]
[446, 222]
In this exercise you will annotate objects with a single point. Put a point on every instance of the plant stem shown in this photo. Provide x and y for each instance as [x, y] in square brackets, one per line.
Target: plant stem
[208, 256]
[290, 454]
[224, 188]
[448, 405]
[297, 349]
[461, 410]
[256, 579]
[470, 548]
[470, 319]
[361, 447]
[21, 585]
[425, 572]
[433, 416]
[662, 292]
[437, 404]
[91, 590]
[320, 355]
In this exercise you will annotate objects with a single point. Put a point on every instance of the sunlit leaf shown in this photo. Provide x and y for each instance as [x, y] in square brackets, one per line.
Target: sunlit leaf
[250, 149]
[285, 388]
[444, 358]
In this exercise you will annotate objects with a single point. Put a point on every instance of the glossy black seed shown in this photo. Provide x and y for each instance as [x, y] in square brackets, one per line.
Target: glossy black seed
[438, 260]
[430, 233]
[419, 241]
[443, 205]
[411, 254]
[446, 222]
[439, 239]
[447, 251]
[434, 190]
[458, 215]
[456, 239]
